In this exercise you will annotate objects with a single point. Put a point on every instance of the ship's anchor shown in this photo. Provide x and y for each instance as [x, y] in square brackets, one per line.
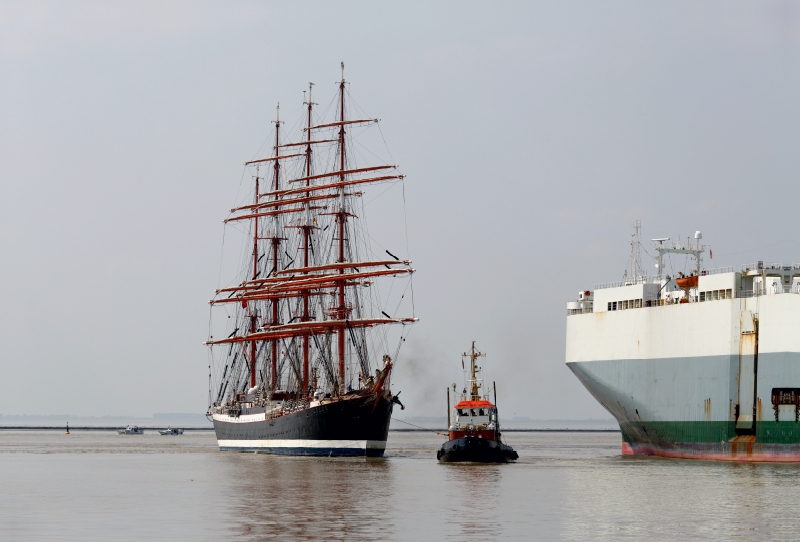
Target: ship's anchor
[396, 399]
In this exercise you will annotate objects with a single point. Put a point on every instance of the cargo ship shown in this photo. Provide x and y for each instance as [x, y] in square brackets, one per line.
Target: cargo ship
[696, 363]
[303, 355]
[474, 431]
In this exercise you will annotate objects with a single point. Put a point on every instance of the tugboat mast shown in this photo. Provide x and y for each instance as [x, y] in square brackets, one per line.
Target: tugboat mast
[473, 356]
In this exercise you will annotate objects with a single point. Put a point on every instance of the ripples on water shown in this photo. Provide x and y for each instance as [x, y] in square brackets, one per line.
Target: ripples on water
[572, 486]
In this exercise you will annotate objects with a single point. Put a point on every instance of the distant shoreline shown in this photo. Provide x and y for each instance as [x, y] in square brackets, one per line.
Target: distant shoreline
[521, 430]
[94, 428]
[154, 428]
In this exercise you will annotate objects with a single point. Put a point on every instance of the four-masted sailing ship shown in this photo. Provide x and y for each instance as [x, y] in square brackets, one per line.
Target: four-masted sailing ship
[305, 365]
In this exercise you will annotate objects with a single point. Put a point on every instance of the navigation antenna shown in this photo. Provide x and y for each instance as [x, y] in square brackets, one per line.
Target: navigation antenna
[636, 274]
[473, 356]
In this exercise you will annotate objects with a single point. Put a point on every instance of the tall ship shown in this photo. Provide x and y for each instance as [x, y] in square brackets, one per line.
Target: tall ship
[694, 362]
[308, 332]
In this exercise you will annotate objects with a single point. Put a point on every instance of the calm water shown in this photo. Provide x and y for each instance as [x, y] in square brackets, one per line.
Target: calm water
[572, 486]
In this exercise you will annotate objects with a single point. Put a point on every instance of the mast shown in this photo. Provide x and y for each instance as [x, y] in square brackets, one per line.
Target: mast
[306, 232]
[636, 273]
[276, 241]
[448, 408]
[251, 308]
[342, 312]
[473, 356]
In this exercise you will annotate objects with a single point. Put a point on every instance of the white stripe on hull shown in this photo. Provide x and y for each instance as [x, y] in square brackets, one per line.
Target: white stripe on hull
[305, 444]
[244, 418]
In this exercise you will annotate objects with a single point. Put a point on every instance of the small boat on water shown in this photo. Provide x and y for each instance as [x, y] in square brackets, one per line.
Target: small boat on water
[170, 431]
[131, 430]
[475, 431]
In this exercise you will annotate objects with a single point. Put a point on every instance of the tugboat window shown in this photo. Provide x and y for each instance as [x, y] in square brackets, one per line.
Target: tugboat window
[472, 411]
[481, 413]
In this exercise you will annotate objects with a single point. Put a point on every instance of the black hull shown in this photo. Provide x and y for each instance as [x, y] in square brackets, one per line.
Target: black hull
[477, 450]
[350, 427]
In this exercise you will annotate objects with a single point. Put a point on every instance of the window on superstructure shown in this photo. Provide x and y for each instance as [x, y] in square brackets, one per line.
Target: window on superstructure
[481, 413]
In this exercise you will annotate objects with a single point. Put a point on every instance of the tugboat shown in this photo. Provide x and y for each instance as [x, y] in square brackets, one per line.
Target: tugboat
[475, 431]
[131, 430]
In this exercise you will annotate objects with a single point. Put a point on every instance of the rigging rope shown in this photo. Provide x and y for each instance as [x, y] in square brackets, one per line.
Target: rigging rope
[420, 427]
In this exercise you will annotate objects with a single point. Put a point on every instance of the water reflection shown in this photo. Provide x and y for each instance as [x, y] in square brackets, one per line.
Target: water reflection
[303, 497]
[633, 497]
[474, 490]
[570, 486]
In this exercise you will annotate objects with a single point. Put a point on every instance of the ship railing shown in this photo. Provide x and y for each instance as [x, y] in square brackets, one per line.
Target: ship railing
[773, 289]
[767, 266]
[770, 266]
[629, 282]
[655, 280]
[717, 270]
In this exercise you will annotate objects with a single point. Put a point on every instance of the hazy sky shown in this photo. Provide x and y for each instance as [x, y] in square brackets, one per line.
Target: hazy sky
[531, 134]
